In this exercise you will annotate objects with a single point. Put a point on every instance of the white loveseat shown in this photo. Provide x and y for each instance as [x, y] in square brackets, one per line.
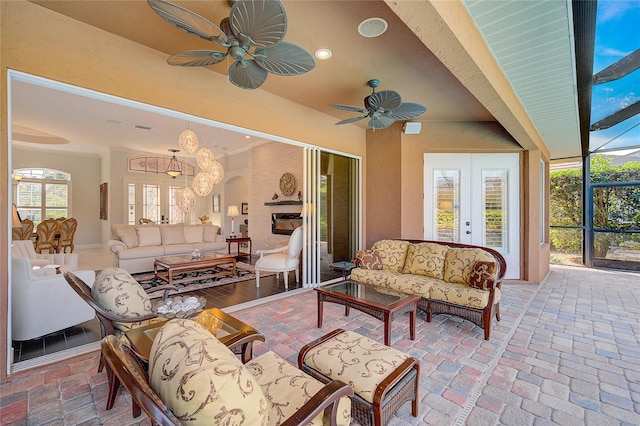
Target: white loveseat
[137, 246]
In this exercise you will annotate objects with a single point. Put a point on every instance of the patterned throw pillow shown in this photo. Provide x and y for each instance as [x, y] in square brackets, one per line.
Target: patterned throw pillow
[120, 294]
[369, 259]
[459, 262]
[201, 380]
[482, 274]
[426, 259]
[393, 254]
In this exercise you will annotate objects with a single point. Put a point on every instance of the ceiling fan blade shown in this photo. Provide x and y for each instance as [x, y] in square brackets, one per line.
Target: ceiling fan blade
[188, 21]
[196, 58]
[246, 74]
[350, 108]
[407, 111]
[380, 122]
[285, 58]
[387, 99]
[351, 120]
[259, 23]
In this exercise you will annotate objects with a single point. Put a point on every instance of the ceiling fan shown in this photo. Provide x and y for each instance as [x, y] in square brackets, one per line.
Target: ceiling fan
[252, 35]
[383, 108]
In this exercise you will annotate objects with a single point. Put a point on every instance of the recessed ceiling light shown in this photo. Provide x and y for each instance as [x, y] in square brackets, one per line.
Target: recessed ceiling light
[372, 27]
[247, 137]
[323, 53]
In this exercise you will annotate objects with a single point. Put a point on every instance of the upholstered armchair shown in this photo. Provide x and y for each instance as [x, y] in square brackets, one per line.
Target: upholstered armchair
[283, 259]
[23, 249]
[42, 304]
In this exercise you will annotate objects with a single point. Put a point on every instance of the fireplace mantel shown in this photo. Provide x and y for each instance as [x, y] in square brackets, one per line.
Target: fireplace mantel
[284, 203]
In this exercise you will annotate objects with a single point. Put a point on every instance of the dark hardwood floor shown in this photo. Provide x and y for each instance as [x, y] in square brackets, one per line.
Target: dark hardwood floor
[219, 297]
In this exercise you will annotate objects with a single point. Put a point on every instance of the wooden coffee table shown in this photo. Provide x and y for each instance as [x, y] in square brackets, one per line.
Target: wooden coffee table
[183, 263]
[378, 302]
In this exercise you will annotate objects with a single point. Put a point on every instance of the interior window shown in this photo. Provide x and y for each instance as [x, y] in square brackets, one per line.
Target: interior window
[42, 194]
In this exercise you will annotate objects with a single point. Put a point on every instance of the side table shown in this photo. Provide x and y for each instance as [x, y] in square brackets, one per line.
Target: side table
[344, 267]
[238, 241]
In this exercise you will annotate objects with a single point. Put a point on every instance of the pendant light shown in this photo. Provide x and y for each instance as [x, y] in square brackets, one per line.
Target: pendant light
[216, 171]
[173, 169]
[185, 197]
[188, 141]
[202, 183]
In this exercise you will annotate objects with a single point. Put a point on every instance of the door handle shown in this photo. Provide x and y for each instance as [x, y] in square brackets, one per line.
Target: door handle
[468, 232]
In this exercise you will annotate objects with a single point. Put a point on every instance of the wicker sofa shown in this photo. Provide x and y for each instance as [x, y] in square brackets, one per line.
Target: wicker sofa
[451, 278]
[137, 246]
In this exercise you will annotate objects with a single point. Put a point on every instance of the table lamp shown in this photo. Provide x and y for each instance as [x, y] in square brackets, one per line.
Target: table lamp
[233, 212]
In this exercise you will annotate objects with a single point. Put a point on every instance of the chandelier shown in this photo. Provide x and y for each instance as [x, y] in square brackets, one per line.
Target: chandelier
[173, 168]
[188, 141]
[202, 183]
[216, 171]
[185, 199]
[204, 158]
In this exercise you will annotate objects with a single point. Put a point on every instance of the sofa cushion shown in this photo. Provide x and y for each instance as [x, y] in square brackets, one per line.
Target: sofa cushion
[483, 274]
[463, 295]
[128, 235]
[148, 236]
[201, 380]
[459, 263]
[369, 259]
[210, 233]
[426, 259]
[172, 234]
[393, 254]
[288, 388]
[193, 233]
[120, 294]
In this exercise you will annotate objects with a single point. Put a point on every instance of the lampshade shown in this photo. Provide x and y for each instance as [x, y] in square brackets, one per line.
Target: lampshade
[173, 169]
[15, 216]
[205, 158]
[216, 171]
[188, 141]
[233, 211]
[202, 183]
[185, 199]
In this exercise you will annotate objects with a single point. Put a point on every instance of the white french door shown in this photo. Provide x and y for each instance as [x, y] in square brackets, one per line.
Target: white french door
[474, 199]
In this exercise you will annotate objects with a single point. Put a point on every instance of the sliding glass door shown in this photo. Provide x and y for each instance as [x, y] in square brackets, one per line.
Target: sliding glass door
[331, 213]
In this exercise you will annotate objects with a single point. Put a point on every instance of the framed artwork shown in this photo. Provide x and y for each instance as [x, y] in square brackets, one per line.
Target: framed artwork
[103, 200]
[245, 208]
[216, 203]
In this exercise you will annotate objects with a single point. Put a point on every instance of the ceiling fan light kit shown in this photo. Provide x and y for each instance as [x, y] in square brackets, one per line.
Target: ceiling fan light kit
[382, 108]
[252, 34]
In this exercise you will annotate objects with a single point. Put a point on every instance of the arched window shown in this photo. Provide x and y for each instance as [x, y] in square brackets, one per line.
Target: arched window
[42, 193]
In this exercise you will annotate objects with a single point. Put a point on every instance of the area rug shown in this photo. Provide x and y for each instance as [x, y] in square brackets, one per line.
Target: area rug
[244, 272]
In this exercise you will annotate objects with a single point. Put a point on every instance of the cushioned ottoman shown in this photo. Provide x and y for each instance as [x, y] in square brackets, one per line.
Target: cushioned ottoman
[382, 378]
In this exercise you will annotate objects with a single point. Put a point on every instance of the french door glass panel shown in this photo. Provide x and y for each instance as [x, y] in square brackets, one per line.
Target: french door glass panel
[447, 200]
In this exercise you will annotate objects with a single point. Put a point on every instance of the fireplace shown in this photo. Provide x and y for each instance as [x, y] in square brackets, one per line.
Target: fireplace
[285, 223]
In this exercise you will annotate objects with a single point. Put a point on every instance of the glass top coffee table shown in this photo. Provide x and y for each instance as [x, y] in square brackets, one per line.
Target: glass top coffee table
[378, 302]
[183, 263]
[235, 334]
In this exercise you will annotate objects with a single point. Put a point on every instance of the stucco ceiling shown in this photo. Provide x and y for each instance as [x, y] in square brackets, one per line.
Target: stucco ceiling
[401, 58]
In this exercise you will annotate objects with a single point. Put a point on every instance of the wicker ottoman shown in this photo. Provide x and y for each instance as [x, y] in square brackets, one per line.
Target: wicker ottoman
[382, 378]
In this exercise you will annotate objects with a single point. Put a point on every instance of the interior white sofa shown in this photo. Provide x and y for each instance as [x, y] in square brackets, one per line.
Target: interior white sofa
[137, 246]
[42, 304]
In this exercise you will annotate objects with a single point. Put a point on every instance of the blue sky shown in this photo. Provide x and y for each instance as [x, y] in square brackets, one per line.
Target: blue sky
[617, 35]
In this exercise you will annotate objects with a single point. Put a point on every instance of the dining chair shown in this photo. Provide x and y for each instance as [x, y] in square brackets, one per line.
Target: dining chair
[283, 259]
[23, 232]
[45, 235]
[67, 233]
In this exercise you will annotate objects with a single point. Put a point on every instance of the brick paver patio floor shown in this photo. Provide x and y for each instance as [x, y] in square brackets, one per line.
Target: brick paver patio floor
[566, 352]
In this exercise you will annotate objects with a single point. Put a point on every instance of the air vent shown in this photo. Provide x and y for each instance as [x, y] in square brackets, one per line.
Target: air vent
[140, 126]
